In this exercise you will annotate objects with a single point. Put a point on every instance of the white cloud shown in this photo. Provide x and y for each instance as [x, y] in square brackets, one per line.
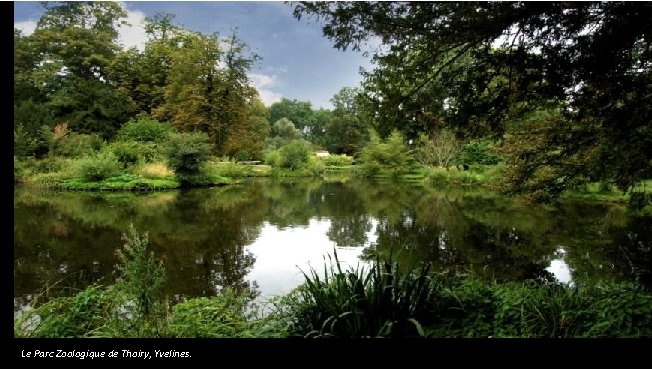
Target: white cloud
[264, 84]
[27, 27]
[133, 34]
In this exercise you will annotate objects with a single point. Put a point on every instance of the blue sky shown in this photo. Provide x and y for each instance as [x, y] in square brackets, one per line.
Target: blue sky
[297, 61]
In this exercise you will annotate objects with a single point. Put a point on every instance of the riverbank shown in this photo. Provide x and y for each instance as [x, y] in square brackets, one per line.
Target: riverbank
[64, 174]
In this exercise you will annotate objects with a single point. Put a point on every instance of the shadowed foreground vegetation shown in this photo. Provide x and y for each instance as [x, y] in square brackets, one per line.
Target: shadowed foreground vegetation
[380, 300]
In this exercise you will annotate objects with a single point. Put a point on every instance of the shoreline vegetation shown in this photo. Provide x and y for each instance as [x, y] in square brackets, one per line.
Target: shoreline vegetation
[379, 300]
[63, 174]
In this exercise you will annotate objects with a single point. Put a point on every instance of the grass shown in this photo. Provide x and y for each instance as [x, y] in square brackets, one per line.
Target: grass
[153, 171]
[387, 302]
[123, 182]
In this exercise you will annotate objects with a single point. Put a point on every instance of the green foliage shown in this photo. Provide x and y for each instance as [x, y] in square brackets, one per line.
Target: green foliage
[337, 160]
[479, 152]
[142, 276]
[19, 170]
[132, 152]
[285, 129]
[81, 315]
[273, 158]
[123, 182]
[144, 129]
[99, 166]
[300, 113]
[489, 68]
[221, 316]
[186, 154]
[639, 200]
[24, 143]
[295, 154]
[391, 156]
[381, 302]
[76, 145]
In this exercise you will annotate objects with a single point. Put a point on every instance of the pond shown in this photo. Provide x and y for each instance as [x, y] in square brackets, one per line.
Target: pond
[260, 234]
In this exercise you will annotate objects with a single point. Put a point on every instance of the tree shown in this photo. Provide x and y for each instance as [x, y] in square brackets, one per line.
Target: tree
[299, 112]
[490, 65]
[63, 67]
[285, 129]
[346, 131]
[208, 90]
[441, 149]
[391, 155]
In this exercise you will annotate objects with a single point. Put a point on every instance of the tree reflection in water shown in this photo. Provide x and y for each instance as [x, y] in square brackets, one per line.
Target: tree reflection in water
[68, 239]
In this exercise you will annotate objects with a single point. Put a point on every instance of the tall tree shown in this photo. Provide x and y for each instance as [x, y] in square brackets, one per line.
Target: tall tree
[75, 42]
[299, 112]
[347, 130]
[208, 90]
[489, 65]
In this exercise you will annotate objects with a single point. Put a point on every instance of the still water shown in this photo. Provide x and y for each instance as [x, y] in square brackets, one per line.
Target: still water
[259, 235]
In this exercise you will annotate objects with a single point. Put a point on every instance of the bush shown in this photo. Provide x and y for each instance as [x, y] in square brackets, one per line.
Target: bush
[99, 166]
[132, 152]
[479, 152]
[295, 154]
[75, 145]
[145, 130]
[19, 170]
[24, 143]
[391, 156]
[273, 158]
[337, 160]
[440, 149]
[187, 152]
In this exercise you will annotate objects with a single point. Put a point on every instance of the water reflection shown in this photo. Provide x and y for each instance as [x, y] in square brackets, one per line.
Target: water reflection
[256, 236]
[559, 268]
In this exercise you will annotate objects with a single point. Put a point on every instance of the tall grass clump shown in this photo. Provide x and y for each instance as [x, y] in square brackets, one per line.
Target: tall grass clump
[221, 316]
[85, 314]
[142, 276]
[382, 301]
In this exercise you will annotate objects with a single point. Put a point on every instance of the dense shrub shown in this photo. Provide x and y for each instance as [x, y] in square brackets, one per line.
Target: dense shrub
[295, 154]
[273, 158]
[75, 145]
[337, 160]
[479, 152]
[132, 152]
[187, 152]
[144, 130]
[391, 156]
[24, 143]
[99, 166]
[19, 169]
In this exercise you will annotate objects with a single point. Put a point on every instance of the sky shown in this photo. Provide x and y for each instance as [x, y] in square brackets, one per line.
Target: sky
[298, 62]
